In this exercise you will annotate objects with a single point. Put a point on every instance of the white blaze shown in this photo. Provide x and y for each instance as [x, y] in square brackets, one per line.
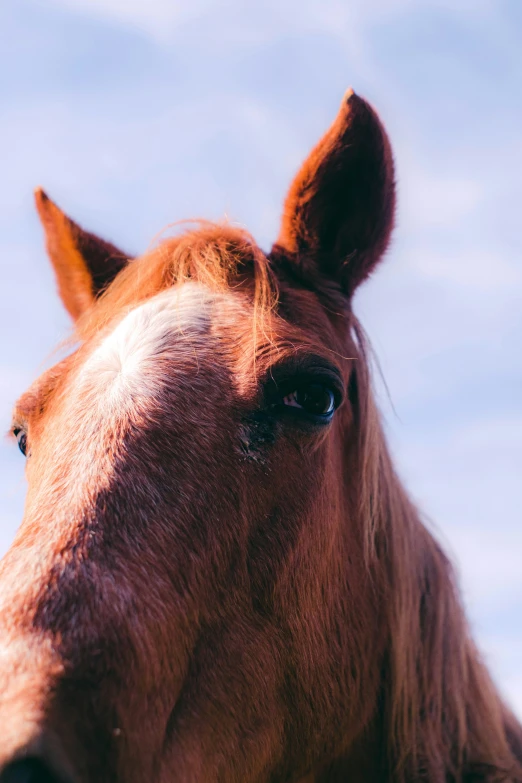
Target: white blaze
[171, 323]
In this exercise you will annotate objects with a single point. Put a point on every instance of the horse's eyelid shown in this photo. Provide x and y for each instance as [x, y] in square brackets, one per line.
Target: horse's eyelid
[319, 372]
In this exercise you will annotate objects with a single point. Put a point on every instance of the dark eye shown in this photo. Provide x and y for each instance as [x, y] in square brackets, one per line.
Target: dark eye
[317, 399]
[21, 439]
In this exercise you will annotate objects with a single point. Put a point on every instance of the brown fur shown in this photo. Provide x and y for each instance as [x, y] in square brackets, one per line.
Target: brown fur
[218, 592]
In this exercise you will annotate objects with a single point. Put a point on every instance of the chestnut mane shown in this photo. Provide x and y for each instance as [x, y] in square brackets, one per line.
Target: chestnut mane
[442, 709]
[217, 255]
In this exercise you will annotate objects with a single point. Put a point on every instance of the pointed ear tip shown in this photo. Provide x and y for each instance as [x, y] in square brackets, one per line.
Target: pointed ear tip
[352, 101]
[46, 208]
[352, 104]
[41, 199]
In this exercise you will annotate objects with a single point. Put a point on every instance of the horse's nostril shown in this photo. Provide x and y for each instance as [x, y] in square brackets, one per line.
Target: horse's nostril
[30, 770]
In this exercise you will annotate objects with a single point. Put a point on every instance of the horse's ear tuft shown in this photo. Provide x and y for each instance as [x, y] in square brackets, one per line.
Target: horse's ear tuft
[339, 211]
[83, 263]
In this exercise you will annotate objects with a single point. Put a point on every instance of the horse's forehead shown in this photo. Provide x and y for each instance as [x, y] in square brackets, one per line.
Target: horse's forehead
[175, 321]
[150, 328]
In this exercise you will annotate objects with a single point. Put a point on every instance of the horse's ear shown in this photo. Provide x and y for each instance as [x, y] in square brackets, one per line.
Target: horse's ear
[339, 212]
[83, 263]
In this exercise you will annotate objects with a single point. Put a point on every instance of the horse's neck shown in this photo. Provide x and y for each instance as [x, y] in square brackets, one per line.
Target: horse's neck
[365, 762]
[349, 769]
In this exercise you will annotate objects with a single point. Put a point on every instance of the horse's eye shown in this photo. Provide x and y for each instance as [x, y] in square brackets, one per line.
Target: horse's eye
[21, 439]
[313, 398]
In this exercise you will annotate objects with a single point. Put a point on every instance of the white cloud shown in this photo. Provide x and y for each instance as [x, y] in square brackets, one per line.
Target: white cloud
[436, 201]
[262, 19]
[476, 268]
[489, 563]
[155, 17]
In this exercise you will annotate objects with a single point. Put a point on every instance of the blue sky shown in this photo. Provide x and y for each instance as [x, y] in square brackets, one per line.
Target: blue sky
[135, 114]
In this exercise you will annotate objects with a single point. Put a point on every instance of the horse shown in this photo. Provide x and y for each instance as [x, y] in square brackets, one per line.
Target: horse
[219, 577]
